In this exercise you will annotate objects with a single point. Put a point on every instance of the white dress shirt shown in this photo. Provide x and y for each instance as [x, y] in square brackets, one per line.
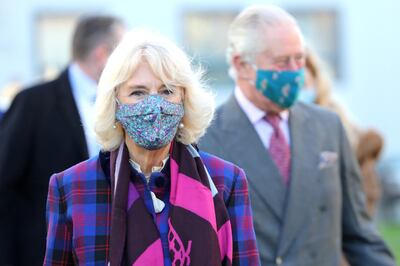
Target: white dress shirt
[256, 117]
[84, 92]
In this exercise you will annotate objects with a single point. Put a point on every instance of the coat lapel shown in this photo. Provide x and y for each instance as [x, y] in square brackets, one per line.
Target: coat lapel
[248, 152]
[303, 174]
[69, 111]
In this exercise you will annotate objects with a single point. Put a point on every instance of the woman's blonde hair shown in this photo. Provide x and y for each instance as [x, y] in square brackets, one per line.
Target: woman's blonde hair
[321, 80]
[171, 65]
[324, 97]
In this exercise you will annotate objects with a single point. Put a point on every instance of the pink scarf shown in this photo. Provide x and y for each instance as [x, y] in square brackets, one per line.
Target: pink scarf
[199, 226]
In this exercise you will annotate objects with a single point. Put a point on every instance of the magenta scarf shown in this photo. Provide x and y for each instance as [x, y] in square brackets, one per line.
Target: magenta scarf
[199, 227]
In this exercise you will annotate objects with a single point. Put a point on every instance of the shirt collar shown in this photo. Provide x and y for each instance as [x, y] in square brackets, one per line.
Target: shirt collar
[136, 166]
[82, 84]
[254, 113]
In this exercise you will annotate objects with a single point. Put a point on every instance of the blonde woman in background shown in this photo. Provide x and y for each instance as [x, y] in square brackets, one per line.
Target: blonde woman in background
[367, 144]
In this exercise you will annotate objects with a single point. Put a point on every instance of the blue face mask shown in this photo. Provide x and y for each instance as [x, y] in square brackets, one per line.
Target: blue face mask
[307, 95]
[280, 87]
[152, 123]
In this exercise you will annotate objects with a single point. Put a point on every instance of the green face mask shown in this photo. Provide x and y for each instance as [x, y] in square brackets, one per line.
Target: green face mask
[280, 87]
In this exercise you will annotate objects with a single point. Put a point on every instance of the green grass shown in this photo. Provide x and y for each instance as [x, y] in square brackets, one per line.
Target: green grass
[391, 234]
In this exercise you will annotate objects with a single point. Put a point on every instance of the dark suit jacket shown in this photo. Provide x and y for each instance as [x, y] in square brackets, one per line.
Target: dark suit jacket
[40, 134]
[322, 210]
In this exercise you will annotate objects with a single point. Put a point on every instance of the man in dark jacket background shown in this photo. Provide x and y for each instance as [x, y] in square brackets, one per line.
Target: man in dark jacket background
[48, 129]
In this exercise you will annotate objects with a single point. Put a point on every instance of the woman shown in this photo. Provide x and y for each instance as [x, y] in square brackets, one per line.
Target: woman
[150, 197]
[318, 90]
[367, 144]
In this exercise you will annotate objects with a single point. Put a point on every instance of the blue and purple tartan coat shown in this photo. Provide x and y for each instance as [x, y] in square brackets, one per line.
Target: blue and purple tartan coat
[79, 212]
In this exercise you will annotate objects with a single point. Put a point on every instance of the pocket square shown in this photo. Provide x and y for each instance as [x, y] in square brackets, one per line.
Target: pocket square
[327, 159]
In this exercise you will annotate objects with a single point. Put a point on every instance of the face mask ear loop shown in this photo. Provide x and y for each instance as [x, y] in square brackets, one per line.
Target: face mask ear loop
[118, 104]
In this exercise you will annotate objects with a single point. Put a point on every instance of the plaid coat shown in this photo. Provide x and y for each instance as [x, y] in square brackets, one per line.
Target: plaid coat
[79, 212]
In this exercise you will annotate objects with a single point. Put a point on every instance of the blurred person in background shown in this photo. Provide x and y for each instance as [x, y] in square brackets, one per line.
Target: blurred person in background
[304, 181]
[45, 130]
[366, 144]
[150, 197]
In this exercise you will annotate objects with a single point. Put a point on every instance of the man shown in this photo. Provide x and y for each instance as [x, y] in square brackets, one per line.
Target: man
[46, 130]
[303, 180]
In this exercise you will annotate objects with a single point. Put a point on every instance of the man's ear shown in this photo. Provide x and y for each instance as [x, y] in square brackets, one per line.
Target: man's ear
[99, 57]
[101, 53]
[242, 67]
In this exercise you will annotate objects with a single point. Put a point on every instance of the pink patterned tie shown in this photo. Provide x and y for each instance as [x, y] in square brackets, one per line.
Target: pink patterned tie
[278, 147]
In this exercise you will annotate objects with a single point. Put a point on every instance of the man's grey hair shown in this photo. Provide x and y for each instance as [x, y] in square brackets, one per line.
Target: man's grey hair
[92, 31]
[245, 32]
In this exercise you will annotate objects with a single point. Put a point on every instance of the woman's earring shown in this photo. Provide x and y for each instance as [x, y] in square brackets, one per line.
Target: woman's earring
[115, 126]
[181, 125]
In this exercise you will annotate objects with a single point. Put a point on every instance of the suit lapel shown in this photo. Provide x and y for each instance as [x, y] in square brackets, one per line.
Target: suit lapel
[247, 151]
[303, 171]
[69, 111]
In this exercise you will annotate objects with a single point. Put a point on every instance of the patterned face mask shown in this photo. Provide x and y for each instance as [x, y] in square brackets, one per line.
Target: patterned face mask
[152, 123]
[281, 87]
